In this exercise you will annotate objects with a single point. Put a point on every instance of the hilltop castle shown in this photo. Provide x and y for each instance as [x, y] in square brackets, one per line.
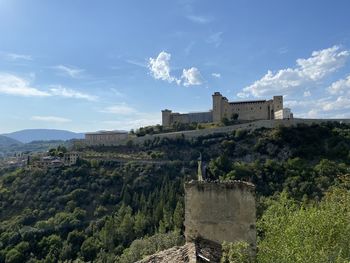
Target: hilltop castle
[242, 110]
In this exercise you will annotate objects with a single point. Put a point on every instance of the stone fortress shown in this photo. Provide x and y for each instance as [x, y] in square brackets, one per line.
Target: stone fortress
[243, 110]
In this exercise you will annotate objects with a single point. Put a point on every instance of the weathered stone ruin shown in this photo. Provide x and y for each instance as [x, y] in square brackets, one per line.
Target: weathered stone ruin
[214, 212]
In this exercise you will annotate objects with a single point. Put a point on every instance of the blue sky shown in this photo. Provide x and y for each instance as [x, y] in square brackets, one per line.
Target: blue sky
[90, 65]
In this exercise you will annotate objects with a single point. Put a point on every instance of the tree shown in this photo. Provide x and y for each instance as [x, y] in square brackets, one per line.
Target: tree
[234, 116]
[89, 249]
[225, 121]
[141, 224]
[179, 216]
[14, 256]
[295, 232]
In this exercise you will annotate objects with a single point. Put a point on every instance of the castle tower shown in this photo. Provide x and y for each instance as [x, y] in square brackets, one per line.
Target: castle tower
[166, 117]
[277, 104]
[217, 107]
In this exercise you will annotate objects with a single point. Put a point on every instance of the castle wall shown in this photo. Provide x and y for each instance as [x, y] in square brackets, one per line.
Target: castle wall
[105, 138]
[268, 124]
[168, 118]
[180, 118]
[220, 212]
[248, 111]
[201, 117]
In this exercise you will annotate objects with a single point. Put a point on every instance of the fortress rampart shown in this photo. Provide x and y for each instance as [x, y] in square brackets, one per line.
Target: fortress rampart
[269, 124]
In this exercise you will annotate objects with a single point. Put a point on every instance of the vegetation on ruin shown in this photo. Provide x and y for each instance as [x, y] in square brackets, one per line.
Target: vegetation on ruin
[106, 211]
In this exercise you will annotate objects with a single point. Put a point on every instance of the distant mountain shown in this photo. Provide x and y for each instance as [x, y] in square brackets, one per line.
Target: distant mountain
[6, 142]
[30, 135]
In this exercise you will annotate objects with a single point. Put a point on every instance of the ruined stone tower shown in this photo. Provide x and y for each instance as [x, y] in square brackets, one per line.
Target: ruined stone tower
[220, 211]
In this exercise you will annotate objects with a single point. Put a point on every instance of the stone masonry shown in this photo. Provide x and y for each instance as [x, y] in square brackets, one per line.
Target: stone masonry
[220, 211]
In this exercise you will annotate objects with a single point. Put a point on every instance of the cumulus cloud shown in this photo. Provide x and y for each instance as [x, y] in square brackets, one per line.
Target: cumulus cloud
[120, 109]
[73, 72]
[341, 103]
[340, 87]
[216, 75]
[191, 77]
[13, 85]
[160, 69]
[69, 93]
[306, 72]
[53, 119]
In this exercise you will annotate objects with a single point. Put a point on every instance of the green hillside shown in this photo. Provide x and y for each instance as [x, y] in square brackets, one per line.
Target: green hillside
[108, 211]
[6, 142]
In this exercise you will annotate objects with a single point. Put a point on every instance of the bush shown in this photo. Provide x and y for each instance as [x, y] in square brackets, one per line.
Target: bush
[239, 252]
[295, 232]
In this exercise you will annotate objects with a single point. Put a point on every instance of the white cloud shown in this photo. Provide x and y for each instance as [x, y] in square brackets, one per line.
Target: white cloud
[191, 77]
[70, 71]
[13, 85]
[341, 103]
[136, 63]
[340, 87]
[120, 109]
[69, 93]
[307, 93]
[160, 67]
[242, 95]
[307, 72]
[17, 86]
[216, 75]
[200, 19]
[50, 119]
[14, 56]
[215, 39]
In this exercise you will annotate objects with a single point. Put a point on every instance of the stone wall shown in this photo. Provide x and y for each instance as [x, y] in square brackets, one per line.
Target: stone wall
[169, 117]
[226, 129]
[220, 211]
[105, 138]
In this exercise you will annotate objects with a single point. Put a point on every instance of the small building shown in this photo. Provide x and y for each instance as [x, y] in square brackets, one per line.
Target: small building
[70, 158]
[105, 138]
[284, 114]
